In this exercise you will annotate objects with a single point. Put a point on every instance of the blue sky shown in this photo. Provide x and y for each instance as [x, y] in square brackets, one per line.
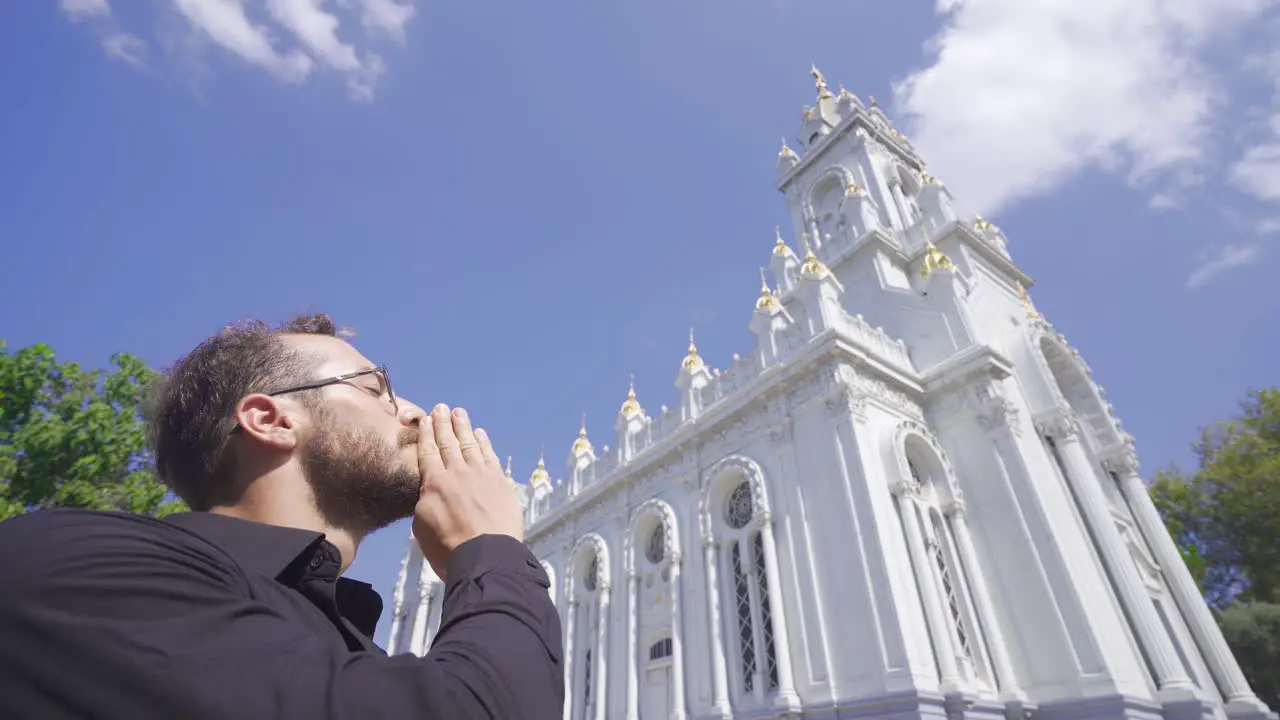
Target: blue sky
[518, 205]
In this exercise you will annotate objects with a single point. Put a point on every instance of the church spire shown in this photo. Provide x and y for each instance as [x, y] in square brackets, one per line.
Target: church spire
[812, 266]
[631, 407]
[820, 82]
[692, 362]
[582, 444]
[767, 300]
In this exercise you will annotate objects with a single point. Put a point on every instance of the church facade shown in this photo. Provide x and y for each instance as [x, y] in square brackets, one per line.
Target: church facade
[909, 499]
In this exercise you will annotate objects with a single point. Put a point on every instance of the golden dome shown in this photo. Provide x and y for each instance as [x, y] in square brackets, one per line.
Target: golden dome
[631, 407]
[582, 444]
[540, 475]
[691, 362]
[981, 224]
[935, 259]
[767, 300]
[812, 266]
[927, 179]
[780, 247]
[786, 151]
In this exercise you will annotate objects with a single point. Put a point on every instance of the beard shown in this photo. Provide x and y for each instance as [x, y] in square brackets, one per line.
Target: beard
[360, 481]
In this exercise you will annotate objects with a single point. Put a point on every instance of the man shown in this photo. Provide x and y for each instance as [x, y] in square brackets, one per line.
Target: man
[290, 447]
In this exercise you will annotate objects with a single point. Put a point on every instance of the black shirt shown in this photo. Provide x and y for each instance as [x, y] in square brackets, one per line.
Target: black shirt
[110, 615]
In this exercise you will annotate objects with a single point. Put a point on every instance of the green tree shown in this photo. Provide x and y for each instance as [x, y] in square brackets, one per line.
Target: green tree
[1253, 633]
[1226, 516]
[71, 437]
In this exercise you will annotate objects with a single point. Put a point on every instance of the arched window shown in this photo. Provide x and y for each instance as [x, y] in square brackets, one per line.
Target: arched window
[587, 589]
[946, 572]
[752, 614]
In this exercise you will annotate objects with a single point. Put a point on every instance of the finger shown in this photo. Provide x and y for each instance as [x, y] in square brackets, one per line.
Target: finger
[466, 438]
[445, 439]
[429, 460]
[486, 449]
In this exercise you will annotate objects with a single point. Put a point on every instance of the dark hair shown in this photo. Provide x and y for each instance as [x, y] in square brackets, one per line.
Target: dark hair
[191, 409]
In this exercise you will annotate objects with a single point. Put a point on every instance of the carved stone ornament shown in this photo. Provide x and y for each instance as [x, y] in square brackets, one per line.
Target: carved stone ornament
[846, 401]
[667, 519]
[1123, 460]
[592, 542]
[750, 470]
[954, 508]
[1058, 423]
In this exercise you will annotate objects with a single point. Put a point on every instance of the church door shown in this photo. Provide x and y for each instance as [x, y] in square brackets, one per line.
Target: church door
[657, 693]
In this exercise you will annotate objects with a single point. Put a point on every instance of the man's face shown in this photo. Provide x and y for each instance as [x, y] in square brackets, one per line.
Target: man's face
[360, 455]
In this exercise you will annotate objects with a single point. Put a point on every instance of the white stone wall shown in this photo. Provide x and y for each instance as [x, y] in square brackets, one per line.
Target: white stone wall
[939, 513]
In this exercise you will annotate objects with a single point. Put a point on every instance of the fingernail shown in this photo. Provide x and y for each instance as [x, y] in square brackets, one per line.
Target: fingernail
[480, 433]
[460, 413]
[442, 409]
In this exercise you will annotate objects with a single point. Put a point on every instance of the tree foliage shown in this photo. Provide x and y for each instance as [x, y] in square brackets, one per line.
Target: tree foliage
[1253, 632]
[71, 437]
[1226, 516]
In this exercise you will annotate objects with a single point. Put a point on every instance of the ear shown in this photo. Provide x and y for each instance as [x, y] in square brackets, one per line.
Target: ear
[268, 421]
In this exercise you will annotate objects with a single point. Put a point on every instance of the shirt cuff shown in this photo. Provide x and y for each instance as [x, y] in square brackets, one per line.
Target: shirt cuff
[486, 553]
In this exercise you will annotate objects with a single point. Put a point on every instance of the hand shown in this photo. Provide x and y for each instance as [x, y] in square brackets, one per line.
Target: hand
[465, 492]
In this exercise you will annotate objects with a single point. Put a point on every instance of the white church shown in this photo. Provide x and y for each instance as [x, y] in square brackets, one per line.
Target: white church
[908, 500]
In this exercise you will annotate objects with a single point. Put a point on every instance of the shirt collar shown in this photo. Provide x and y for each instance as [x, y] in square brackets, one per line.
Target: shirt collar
[275, 551]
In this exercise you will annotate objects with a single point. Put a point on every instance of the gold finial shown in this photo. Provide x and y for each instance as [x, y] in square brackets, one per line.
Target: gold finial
[631, 407]
[845, 94]
[691, 361]
[812, 266]
[786, 150]
[820, 82]
[779, 247]
[582, 444]
[509, 478]
[851, 188]
[927, 179]
[1032, 313]
[767, 300]
[872, 98]
[934, 259]
[980, 223]
[540, 475]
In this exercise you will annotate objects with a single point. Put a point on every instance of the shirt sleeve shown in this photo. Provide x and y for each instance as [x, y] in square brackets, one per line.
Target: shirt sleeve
[104, 623]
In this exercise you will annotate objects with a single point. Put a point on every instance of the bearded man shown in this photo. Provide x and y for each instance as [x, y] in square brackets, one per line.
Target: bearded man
[290, 447]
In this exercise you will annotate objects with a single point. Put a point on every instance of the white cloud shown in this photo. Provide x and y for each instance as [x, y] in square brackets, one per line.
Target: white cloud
[1022, 96]
[84, 9]
[291, 40]
[1228, 258]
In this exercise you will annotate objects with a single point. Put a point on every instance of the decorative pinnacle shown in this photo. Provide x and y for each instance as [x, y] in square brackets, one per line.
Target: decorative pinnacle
[692, 362]
[767, 300]
[780, 247]
[540, 475]
[787, 152]
[820, 82]
[631, 407]
[812, 266]
[934, 259]
[582, 444]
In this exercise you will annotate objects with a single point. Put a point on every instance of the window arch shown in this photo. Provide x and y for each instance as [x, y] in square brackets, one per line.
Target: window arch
[587, 590]
[931, 486]
[654, 662]
[737, 514]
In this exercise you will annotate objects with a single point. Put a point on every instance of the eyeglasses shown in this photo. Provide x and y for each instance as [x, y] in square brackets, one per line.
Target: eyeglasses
[381, 372]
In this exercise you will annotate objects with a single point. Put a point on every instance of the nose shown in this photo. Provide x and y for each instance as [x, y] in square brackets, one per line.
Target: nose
[410, 414]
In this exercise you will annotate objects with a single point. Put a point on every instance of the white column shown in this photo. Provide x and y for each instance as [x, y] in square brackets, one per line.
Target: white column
[569, 650]
[719, 676]
[633, 621]
[1169, 673]
[677, 643]
[781, 640]
[599, 678]
[1006, 681]
[1221, 661]
[948, 672]
[418, 640]
[397, 608]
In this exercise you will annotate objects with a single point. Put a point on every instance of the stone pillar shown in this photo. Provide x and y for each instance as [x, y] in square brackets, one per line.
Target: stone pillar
[719, 676]
[949, 674]
[1240, 698]
[677, 643]
[1061, 426]
[781, 640]
[569, 650]
[1006, 681]
[633, 624]
[599, 679]
[418, 638]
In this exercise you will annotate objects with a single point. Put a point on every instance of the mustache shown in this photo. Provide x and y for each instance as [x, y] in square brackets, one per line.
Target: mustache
[407, 436]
